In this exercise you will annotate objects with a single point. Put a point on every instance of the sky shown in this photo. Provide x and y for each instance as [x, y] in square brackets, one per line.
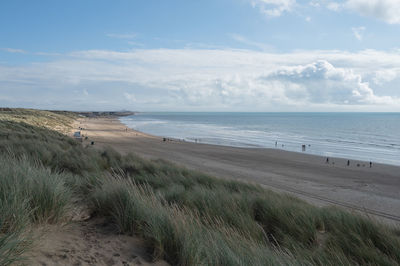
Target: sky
[208, 55]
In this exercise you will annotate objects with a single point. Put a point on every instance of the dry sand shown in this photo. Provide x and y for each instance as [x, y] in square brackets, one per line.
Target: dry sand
[374, 191]
[90, 242]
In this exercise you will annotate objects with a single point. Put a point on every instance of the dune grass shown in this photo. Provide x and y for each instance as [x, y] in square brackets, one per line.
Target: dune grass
[30, 194]
[186, 217]
[54, 120]
[218, 223]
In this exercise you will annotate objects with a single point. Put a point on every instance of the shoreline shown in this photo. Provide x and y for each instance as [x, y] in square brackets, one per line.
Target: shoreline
[375, 191]
[321, 157]
[356, 154]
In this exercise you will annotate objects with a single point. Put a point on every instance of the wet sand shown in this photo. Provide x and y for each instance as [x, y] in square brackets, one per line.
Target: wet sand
[374, 191]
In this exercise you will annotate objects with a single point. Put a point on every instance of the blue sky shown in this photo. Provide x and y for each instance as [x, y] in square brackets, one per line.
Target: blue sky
[220, 55]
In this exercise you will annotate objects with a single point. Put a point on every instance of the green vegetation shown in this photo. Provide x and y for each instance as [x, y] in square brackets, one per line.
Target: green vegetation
[186, 217]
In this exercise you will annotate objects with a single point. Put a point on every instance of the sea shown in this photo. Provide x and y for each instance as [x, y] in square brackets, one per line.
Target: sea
[368, 137]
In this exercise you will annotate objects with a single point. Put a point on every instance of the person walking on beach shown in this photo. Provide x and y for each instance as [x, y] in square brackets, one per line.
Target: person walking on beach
[327, 159]
[348, 162]
[370, 164]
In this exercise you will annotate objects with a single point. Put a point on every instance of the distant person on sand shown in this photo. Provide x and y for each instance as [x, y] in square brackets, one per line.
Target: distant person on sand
[370, 164]
[348, 162]
[327, 159]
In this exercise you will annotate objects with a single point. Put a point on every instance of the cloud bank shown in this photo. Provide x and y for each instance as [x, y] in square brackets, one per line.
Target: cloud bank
[207, 80]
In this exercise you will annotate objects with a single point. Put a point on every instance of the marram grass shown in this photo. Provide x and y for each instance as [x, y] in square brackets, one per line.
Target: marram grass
[29, 194]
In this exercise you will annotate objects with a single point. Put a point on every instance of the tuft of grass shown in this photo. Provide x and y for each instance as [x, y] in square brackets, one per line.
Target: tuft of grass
[179, 234]
[14, 224]
[12, 247]
[29, 194]
[44, 191]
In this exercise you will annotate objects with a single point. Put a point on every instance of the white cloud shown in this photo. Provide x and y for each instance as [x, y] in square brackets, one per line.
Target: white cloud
[13, 50]
[333, 6]
[242, 39]
[47, 54]
[21, 51]
[321, 82]
[219, 79]
[314, 4]
[380, 77]
[274, 8]
[358, 32]
[385, 10]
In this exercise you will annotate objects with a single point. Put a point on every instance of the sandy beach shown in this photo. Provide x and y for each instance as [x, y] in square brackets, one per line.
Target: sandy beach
[374, 191]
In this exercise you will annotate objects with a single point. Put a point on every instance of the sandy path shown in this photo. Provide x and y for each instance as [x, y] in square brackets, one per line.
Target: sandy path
[91, 242]
[373, 190]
